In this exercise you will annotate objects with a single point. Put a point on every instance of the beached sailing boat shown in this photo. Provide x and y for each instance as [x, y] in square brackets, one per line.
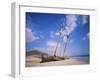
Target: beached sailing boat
[63, 32]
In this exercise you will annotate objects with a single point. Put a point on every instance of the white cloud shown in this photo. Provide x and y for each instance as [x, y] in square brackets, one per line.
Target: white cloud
[86, 37]
[88, 34]
[71, 23]
[57, 34]
[65, 39]
[51, 46]
[52, 34]
[71, 41]
[30, 36]
[71, 20]
[84, 19]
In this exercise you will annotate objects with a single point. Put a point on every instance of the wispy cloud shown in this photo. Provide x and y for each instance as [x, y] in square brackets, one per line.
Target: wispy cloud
[52, 34]
[84, 19]
[65, 39]
[30, 36]
[86, 36]
[71, 25]
[71, 41]
[51, 45]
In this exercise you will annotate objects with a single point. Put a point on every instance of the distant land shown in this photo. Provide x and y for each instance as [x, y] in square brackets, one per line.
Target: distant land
[35, 52]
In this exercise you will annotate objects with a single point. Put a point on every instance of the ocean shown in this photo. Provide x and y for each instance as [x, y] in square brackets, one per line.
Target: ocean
[82, 58]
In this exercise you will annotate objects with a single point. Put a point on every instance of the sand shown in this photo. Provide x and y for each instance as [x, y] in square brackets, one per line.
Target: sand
[33, 61]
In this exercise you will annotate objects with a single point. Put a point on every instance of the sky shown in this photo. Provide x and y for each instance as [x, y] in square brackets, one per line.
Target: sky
[45, 30]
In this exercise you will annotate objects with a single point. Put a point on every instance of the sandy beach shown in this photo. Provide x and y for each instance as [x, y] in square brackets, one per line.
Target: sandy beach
[33, 61]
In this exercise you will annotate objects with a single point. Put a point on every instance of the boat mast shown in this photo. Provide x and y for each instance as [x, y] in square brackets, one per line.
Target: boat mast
[62, 26]
[65, 45]
[57, 45]
[67, 35]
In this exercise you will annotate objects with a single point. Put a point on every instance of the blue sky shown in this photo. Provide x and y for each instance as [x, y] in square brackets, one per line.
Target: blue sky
[42, 33]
